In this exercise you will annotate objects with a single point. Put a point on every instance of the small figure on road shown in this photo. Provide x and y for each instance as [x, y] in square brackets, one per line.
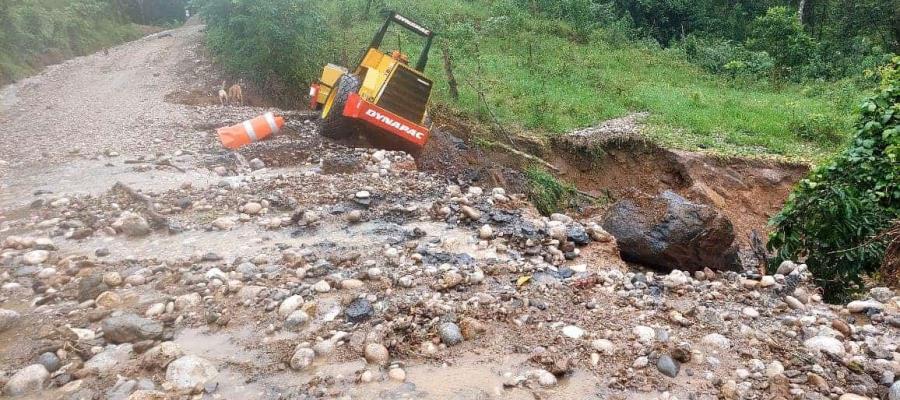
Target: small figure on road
[223, 95]
[235, 94]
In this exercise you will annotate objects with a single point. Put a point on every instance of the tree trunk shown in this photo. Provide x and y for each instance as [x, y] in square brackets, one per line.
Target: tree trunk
[451, 80]
[801, 12]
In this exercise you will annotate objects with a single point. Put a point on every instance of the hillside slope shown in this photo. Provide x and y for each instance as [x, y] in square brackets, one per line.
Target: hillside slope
[537, 74]
[37, 33]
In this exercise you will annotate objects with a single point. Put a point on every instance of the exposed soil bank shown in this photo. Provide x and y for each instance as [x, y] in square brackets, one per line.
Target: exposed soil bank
[612, 162]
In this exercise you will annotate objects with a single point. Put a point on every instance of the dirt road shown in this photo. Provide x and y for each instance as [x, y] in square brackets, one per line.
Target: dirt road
[297, 268]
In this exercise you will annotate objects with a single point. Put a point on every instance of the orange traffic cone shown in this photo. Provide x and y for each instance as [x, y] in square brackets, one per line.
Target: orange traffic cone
[247, 132]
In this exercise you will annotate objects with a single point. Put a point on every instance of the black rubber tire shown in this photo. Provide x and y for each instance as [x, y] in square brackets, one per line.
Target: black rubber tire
[336, 125]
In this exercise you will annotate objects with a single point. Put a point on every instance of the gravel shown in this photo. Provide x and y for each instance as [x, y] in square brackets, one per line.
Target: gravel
[315, 256]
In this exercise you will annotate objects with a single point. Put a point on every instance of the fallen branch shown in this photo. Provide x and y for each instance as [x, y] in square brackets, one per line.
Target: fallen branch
[157, 220]
[163, 163]
[527, 156]
[586, 194]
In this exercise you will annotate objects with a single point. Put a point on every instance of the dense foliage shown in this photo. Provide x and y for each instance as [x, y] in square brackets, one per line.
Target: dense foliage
[34, 33]
[826, 39]
[280, 41]
[153, 12]
[837, 216]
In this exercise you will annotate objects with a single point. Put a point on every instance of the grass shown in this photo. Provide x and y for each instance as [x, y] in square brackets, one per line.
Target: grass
[571, 85]
[547, 193]
[535, 78]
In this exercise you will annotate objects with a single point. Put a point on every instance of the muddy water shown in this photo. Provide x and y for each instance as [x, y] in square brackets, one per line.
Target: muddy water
[92, 177]
[248, 372]
[233, 352]
[474, 377]
[248, 238]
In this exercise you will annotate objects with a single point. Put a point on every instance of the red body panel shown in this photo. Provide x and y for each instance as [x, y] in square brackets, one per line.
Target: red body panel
[385, 120]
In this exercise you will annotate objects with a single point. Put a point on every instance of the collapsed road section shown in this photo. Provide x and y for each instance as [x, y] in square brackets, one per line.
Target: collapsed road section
[149, 262]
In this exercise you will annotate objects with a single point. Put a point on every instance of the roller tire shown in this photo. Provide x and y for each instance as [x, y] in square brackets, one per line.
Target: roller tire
[335, 125]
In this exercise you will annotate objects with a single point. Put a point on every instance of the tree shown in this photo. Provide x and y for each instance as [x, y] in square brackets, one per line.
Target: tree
[781, 35]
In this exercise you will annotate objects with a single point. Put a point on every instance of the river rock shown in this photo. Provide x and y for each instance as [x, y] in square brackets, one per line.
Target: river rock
[30, 379]
[397, 374]
[851, 396]
[604, 346]
[90, 287]
[322, 286]
[161, 355]
[302, 358]
[50, 361]
[573, 331]
[881, 294]
[717, 340]
[111, 357]
[786, 267]
[794, 304]
[190, 371]
[825, 343]
[485, 232]
[894, 393]
[376, 353]
[359, 310]
[543, 377]
[256, 164]
[686, 236]
[290, 304]
[133, 225]
[129, 327]
[36, 257]
[577, 234]
[252, 208]
[667, 366]
[294, 321]
[8, 319]
[147, 395]
[860, 306]
[644, 334]
[112, 279]
[450, 334]
[224, 223]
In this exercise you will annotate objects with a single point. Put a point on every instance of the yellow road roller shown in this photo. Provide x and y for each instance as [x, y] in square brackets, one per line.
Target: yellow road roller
[383, 100]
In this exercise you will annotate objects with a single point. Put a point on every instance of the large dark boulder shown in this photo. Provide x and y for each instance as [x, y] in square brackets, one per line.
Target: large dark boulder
[670, 232]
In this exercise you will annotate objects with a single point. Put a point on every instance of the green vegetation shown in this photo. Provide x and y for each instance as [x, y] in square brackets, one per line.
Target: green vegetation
[36, 33]
[837, 217]
[280, 43]
[552, 66]
[547, 193]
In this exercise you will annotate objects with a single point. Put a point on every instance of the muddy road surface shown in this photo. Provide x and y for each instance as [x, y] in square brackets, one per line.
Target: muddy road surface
[140, 260]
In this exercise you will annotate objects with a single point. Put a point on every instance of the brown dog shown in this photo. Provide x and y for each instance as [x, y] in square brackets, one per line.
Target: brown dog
[235, 93]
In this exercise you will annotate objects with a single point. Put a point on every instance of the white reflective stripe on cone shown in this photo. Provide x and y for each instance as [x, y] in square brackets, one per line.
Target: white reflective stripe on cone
[270, 118]
[250, 132]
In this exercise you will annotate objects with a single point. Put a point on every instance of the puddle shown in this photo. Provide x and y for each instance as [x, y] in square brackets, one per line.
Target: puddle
[477, 377]
[91, 177]
[246, 372]
[232, 352]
